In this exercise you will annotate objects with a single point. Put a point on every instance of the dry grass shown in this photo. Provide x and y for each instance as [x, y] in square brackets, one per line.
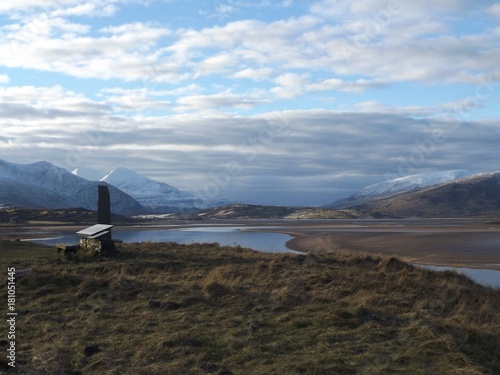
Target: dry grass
[206, 309]
[10, 251]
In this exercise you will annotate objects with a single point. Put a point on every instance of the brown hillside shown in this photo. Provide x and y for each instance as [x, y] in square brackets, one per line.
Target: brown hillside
[472, 196]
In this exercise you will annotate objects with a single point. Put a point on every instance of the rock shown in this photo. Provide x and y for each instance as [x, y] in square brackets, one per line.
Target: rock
[256, 325]
[170, 306]
[90, 350]
[154, 304]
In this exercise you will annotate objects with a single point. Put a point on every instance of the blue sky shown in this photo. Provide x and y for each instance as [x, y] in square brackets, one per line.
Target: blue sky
[284, 101]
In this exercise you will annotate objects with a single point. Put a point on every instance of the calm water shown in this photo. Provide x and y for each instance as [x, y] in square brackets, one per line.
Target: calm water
[233, 236]
[229, 236]
[480, 276]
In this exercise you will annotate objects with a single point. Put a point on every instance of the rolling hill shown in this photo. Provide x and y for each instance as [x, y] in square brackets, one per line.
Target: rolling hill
[477, 195]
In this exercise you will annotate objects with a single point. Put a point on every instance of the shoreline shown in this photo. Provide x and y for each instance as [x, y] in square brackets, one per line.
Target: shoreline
[468, 243]
[303, 244]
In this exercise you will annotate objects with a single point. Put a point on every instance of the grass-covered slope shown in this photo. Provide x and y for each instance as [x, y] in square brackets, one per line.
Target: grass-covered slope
[11, 251]
[205, 309]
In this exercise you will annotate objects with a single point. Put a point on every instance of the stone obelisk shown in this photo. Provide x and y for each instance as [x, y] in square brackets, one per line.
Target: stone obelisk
[104, 207]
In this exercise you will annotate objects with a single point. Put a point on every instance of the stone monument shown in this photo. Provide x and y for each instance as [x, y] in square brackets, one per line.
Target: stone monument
[97, 238]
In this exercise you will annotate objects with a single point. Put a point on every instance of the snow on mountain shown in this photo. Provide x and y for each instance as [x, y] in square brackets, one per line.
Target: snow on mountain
[470, 196]
[156, 195]
[399, 185]
[43, 185]
[89, 173]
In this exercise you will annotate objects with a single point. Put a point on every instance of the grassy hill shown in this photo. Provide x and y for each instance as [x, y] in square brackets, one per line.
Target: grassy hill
[205, 309]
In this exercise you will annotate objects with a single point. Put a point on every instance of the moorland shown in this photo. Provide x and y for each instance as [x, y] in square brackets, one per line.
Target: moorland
[164, 308]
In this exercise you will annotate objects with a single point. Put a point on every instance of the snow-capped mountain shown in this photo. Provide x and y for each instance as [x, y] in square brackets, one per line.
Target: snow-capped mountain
[43, 185]
[471, 196]
[155, 195]
[400, 185]
[89, 173]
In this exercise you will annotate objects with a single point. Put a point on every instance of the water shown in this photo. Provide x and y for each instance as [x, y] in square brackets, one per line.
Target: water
[484, 277]
[226, 236]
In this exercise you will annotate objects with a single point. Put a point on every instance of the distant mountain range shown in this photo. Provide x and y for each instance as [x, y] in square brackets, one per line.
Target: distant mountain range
[157, 196]
[455, 193]
[477, 195]
[43, 185]
[397, 186]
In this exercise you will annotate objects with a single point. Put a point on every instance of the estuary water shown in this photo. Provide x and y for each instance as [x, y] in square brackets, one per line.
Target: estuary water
[233, 236]
[484, 277]
[225, 236]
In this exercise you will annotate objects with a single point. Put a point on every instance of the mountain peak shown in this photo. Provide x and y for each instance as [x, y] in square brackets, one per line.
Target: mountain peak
[401, 184]
[122, 175]
[156, 195]
[44, 185]
[88, 173]
[476, 195]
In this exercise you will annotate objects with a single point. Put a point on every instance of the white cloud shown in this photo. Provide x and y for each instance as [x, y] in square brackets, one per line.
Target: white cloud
[128, 53]
[290, 85]
[494, 10]
[94, 8]
[45, 102]
[216, 64]
[301, 147]
[195, 85]
[216, 102]
[358, 85]
[402, 46]
[135, 99]
[254, 74]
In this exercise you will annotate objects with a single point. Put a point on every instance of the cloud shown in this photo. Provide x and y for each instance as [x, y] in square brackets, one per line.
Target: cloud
[182, 102]
[414, 41]
[94, 8]
[135, 99]
[126, 51]
[291, 85]
[494, 10]
[217, 101]
[254, 74]
[330, 152]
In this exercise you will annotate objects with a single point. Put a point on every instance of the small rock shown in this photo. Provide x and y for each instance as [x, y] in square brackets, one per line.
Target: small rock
[256, 325]
[154, 304]
[170, 306]
[90, 350]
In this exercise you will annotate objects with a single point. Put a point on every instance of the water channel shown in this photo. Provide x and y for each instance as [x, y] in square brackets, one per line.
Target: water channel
[225, 236]
[232, 236]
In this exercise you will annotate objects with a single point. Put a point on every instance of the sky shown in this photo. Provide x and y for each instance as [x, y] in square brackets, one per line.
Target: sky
[276, 102]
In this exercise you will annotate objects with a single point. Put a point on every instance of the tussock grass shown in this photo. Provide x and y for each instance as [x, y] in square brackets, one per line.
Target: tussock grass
[11, 252]
[206, 309]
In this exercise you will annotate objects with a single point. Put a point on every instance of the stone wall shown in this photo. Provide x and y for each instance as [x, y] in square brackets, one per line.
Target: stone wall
[91, 244]
[97, 245]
